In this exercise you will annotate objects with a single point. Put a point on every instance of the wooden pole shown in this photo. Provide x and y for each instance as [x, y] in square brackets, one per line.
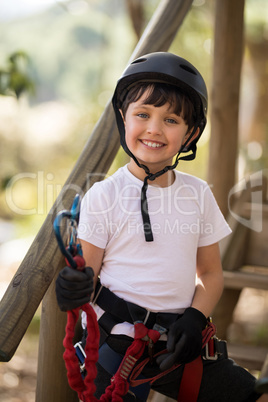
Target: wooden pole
[228, 54]
[52, 382]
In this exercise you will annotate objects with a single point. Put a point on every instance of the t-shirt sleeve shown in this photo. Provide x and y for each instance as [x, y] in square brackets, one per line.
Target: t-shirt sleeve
[93, 217]
[214, 226]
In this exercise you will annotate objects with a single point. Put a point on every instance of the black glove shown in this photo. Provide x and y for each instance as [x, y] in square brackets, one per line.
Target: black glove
[184, 339]
[74, 288]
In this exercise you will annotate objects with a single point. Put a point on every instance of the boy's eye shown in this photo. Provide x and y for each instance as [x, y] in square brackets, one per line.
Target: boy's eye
[172, 121]
[142, 115]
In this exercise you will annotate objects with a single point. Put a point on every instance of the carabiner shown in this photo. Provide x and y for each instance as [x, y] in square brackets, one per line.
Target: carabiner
[73, 219]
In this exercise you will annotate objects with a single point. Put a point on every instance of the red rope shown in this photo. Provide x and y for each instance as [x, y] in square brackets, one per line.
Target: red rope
[119, 385]
[84, 388]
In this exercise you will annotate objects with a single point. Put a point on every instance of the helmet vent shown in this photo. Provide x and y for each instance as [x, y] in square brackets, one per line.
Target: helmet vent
[141, 60]
[187, 68]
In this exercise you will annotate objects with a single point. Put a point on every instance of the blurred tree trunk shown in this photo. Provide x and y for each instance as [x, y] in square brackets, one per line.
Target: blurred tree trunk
[228, 53]
[136, 13]
[258, 125]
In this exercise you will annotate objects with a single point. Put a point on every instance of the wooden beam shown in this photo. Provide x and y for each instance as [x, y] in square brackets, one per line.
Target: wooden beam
[250, 357]
[240, 280]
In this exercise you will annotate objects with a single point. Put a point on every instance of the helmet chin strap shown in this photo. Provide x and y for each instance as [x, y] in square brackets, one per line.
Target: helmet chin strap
[147, 228]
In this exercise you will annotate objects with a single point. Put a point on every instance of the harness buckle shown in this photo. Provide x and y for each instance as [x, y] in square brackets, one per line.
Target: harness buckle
[207, 353]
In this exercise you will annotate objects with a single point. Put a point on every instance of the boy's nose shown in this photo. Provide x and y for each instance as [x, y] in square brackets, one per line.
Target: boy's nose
[154, 127]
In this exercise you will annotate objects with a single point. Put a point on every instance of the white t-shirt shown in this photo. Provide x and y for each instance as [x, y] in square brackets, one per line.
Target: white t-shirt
[159, 275]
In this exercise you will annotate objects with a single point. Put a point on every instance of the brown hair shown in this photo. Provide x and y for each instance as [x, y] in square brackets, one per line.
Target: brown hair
[158, 95]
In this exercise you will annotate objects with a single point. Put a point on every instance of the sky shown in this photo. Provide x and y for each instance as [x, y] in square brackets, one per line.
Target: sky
[12, 9]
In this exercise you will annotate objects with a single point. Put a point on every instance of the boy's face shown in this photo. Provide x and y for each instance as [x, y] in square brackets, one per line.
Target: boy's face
[154, 135]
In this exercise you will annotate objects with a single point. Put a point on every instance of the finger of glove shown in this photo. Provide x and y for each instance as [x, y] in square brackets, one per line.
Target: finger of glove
[71, 294]
[74, 275]
[173, 337]
[66, 306]
[172, 358]
[167, 361]
[89, 272]
[70, 278]
[74, 286]
[188, 350]
[162, 357]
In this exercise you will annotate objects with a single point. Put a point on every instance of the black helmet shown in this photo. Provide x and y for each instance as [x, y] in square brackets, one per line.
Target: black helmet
[165, 68]
[170, 69]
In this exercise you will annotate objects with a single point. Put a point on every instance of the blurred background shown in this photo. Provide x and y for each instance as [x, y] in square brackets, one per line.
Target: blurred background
[59, 62]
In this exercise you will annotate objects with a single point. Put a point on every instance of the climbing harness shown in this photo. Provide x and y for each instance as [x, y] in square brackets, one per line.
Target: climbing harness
[81, 361]
[117, 310]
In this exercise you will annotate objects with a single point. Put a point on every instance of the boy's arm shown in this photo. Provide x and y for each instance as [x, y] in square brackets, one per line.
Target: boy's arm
[184, 341]
[93, 256]
[209, 284]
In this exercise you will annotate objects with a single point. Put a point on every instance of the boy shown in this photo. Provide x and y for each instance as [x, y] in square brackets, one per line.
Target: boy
[151, 234]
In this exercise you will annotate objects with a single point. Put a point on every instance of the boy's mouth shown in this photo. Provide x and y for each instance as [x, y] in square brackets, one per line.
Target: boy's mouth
[153, 144]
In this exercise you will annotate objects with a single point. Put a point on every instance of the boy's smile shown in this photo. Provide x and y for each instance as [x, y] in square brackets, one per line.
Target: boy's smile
[152, 144]
[154, 135]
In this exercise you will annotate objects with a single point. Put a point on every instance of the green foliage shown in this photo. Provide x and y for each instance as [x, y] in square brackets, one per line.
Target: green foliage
[13, 78]
[74, 56]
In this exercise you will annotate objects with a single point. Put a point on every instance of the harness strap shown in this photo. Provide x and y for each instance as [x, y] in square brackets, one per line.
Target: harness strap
[121, 311]
[191, 381]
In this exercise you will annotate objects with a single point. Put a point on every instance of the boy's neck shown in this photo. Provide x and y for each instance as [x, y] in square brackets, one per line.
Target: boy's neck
[165, 180]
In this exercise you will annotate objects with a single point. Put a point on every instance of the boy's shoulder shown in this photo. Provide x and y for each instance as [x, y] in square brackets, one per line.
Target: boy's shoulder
[111, 183]
[190, 180]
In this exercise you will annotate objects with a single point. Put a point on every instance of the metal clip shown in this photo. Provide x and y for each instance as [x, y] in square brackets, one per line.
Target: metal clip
[81, 355]
[206, 355]
[74, 247]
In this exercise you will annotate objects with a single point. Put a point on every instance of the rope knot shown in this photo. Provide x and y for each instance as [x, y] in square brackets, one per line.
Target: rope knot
[145, 334]
[151, 176]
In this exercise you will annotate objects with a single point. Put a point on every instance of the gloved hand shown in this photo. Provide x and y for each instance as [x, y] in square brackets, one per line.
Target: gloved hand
[184, 339]
[74, 288]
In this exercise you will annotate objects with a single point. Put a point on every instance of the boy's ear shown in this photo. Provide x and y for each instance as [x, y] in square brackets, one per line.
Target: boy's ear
[123, 118]
[196, 134]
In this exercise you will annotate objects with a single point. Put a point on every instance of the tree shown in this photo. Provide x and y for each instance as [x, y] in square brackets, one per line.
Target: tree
[13, 78]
